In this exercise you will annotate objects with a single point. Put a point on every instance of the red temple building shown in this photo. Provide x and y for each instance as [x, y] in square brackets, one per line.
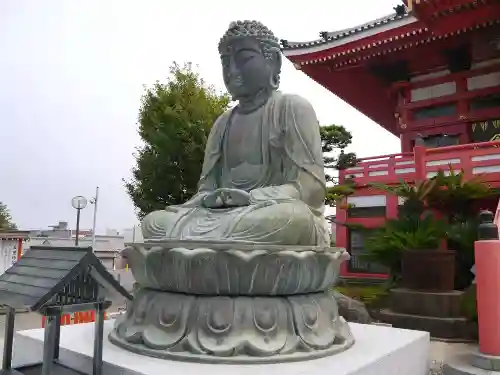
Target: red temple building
[429, 74]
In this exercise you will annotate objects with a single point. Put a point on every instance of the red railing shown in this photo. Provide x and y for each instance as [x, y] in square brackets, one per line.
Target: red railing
[474, 159]
[384, 169]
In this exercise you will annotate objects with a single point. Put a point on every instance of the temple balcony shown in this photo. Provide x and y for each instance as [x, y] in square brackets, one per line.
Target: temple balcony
[474, 159]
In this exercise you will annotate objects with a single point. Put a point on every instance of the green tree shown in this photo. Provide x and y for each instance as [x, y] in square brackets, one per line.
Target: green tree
[335, 138]
[174, 122]
[6, 218]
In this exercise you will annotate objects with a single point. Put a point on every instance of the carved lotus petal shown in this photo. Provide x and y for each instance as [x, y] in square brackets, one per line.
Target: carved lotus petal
[218, 268]
[234, 329]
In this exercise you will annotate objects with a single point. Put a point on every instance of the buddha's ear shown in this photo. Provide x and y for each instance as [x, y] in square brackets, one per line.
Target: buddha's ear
[275, 63]
[277, 59]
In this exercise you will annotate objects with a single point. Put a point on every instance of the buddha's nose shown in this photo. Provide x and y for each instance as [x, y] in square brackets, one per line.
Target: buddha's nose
[233, 70]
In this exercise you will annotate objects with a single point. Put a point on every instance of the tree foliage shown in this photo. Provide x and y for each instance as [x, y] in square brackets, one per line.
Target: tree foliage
[335, 138]
[5, 218]
[175, 119]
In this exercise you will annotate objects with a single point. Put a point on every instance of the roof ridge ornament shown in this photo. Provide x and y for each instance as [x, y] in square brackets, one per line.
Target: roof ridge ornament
[400, 10]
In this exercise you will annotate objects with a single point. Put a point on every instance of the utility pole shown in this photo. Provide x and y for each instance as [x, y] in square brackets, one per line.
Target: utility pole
[94, 201]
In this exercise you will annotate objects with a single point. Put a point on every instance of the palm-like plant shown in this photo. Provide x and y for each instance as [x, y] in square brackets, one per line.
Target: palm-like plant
[455, 195]
[386, 245]
[417, 191]
[414, 196]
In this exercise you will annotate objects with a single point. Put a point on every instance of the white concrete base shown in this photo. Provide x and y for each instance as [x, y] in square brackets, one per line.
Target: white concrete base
[378, 351]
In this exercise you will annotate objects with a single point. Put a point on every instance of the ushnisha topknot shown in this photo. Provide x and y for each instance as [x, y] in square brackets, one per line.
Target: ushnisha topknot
[249, 28]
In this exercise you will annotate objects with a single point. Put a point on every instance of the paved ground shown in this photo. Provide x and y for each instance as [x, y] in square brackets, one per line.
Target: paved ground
[440, 351]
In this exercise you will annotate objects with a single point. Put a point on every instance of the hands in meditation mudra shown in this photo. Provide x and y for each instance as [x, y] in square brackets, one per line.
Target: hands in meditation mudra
[263, 177]
[226, 197]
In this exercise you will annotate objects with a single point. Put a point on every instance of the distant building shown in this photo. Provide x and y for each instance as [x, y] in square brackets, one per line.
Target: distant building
[107, 247]
[11, 247]
[133, 234]
[13, 243]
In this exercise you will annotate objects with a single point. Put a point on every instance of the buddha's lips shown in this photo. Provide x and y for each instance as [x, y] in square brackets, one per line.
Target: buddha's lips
[236, 82]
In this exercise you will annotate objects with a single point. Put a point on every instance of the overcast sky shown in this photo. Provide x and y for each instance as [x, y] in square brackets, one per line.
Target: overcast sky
[71, 77]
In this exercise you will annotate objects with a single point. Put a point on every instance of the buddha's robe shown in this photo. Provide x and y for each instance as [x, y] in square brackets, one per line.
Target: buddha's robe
[274, 153]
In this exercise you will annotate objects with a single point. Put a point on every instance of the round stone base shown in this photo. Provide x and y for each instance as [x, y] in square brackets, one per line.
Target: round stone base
[223, 329]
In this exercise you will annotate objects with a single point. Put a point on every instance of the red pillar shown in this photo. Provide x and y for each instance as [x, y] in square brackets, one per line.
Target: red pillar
[19, 248]
[420, 166]
[487, 257]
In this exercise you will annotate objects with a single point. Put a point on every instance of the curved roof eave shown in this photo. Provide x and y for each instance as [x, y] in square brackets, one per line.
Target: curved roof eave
[339, 38]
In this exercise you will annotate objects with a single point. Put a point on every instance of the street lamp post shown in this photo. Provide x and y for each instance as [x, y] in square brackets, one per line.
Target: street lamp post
[94, 202]
[78, 203]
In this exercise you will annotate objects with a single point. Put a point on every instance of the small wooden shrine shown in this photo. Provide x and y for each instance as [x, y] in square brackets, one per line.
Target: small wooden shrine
[54, 281]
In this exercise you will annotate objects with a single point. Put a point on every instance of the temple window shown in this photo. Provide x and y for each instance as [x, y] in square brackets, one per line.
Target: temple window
[356, 248]
[436, 91]
[435, 111]
[367, 206]
[483, 81]
[437, 140]
[485, 102]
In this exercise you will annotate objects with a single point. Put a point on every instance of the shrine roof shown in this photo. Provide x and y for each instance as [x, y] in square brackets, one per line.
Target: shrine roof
[44, 271]
[335, 38]
[14, 234]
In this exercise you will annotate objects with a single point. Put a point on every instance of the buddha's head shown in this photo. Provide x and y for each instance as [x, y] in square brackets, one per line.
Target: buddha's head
[251, 59]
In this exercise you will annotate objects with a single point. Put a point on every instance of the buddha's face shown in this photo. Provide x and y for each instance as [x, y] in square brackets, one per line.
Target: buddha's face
[246, 70]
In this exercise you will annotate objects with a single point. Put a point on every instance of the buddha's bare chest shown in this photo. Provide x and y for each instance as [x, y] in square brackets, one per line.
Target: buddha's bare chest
[244, 140]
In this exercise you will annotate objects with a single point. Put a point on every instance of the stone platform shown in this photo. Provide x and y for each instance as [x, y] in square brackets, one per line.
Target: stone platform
[437, 313]
[378, 350]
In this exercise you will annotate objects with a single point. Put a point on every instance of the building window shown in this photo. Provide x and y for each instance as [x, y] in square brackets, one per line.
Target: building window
[485, 102]
[431, 92]
[437, 140]
[374, 211]
[367, 206]
[359, 263]
[435, 111]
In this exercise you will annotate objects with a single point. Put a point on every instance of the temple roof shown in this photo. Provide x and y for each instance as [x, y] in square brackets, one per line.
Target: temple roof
[328, 37]
[43, 272]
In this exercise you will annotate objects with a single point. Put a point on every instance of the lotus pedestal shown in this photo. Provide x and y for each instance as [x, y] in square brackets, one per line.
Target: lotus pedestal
[233, 303]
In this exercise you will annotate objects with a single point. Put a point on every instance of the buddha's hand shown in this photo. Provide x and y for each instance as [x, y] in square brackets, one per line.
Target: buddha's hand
[235, 197]
[227, 198]
[213, 200]
[196, 200]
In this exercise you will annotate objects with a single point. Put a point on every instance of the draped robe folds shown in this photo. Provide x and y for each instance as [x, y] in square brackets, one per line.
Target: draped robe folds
[287, 189]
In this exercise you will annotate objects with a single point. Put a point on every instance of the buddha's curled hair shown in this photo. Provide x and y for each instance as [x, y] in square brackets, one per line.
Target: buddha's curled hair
[254, 29]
